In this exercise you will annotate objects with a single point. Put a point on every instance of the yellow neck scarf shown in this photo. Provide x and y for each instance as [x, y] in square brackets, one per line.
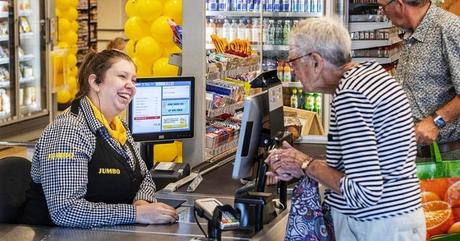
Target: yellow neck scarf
[116, 129]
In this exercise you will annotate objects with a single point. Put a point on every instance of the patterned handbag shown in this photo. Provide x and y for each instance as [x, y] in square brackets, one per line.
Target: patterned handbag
[308, 220]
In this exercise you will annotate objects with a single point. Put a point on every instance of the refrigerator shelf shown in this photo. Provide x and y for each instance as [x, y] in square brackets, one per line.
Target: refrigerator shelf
[25, 13]
[4, 60]
[4, 84]
[29, 35]
[276, 47]
[26, 57]
[4, 38]
[264, 14]
[3, 15]
[27, 80]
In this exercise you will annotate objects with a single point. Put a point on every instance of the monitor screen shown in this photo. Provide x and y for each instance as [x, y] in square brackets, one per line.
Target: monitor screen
[162, 109]
[262, 119]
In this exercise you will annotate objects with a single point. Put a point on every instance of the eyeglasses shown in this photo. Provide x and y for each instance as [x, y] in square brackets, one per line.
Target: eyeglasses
[290, 62]
[385, 5]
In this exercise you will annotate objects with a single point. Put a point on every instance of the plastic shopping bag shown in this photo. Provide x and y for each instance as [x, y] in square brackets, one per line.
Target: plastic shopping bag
[440, 191]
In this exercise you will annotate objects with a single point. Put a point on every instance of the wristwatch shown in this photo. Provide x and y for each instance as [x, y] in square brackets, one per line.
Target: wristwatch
[439, 121]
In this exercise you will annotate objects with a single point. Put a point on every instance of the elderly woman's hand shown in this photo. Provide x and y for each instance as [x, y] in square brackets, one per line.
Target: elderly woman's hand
[286, 162]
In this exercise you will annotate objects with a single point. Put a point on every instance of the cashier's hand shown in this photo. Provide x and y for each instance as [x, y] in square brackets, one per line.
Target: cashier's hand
[285, 163]
[155, 213]
[426, 131]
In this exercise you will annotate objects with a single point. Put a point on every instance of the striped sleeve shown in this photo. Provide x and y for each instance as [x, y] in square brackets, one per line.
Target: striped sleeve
[362, 185]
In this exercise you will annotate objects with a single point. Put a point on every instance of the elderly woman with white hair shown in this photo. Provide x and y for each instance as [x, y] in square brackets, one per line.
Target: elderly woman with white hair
[370, 174]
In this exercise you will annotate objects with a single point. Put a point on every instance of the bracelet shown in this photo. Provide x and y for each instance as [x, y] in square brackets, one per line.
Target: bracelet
[306, 163]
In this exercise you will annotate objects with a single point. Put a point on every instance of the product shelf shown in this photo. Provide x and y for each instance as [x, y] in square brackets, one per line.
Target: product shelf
[368, 26]
[364, 44]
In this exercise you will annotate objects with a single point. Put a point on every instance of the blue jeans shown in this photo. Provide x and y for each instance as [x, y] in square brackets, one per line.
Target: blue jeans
[407, 227]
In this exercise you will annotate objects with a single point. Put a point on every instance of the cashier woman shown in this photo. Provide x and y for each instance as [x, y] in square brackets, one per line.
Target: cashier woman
[86, 171]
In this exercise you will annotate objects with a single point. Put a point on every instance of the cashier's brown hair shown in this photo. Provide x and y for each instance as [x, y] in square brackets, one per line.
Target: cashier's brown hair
[97, 64]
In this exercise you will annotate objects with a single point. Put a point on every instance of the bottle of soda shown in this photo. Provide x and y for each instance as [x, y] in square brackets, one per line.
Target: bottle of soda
[294, 101]
[279, 32]
[280, 71]
[286, 30]
[317, 103]
[287, 73]
[255, 31]
[271, 32]
[300, 98]
[309, 102]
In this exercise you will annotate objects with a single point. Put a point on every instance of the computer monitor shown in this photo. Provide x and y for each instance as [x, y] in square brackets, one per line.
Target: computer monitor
[162, 109]
[262, 120]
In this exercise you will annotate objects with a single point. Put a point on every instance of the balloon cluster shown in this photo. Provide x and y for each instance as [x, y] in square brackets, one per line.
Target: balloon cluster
[65, 65]
[150, 36]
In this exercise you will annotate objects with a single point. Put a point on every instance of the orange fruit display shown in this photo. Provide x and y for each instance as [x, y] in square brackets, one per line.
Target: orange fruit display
[455, 228]
[456, 212]
[429, 196]
[438, 217]
[438, 186]
[452, 195]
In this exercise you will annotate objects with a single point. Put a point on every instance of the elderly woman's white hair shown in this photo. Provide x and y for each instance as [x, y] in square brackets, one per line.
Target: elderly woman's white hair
[324, 35]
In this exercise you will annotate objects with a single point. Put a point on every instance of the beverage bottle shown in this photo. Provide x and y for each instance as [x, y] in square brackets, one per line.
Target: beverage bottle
[309, 102]
[233, 5]
[300, 98]
[250, 5]
[220, 28]
[256, 5]
[280, 70]
[286, 30]
[294, 101]
[307, 6]
[244, 5]
[210, 30]
[276, 5]
[265, 33]
[248, 30]
[295, 5]
[313, 6]
[271, 32]
[233, 30]
[224, 5]
[287, 73]
[319, 6]
[255, 31]
[317, 103]
[212, 5]
[301, 6]
[226, 30]
[286, 5]
[279, 33]
[295, 23]
[268, 6]
[241, 29]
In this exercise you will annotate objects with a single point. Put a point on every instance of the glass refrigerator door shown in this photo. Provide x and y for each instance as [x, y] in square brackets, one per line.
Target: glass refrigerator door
[32, 88]
[7, 92]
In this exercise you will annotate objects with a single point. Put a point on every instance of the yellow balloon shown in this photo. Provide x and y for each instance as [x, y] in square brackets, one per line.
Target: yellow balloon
[131, 47]
[130, 8]
[58, 81]
[73, 71]
[70, 14]
[149, 9]
[148, 50]
[64, 96]
[74, 26]
[73, 3]
[73, 49]
[58, 13]
[70, 37]
[64, 25]
[173, 8]
[170, 49]
[161, 30]
[72, 82]
[161, 67]
[63, 45]
[143, 69]
[63, 4]
[71, 60]
[135, 28]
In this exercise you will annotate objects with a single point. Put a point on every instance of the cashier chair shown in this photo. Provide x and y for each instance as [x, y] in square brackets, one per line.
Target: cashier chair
[14, 181]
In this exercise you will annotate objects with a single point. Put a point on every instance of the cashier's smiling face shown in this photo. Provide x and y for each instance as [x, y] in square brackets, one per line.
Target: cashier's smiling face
[118, 87]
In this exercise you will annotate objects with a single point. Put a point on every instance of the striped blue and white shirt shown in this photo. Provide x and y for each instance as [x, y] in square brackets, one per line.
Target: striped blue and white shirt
[372, 141]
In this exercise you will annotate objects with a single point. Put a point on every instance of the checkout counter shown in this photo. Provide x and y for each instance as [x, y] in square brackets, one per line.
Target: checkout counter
[217, 183]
